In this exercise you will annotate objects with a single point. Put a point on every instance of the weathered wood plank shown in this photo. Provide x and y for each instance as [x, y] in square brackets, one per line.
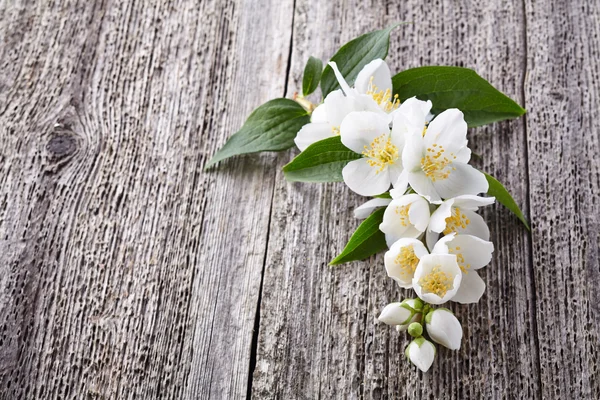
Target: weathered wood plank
[318, 336]
[127, 271]
[562, 95]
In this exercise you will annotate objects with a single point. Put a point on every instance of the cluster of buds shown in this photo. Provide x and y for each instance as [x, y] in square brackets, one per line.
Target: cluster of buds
[419, 319]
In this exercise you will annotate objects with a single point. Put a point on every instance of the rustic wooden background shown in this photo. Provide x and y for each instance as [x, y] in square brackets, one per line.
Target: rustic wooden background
[126, 271]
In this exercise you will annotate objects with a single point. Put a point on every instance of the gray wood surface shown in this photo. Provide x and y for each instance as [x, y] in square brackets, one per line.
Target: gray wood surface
[126, 271]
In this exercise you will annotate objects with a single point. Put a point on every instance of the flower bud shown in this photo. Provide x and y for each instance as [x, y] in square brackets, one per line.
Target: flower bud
[402, 314]
[421, 353]
[444, 328]
[415, 329]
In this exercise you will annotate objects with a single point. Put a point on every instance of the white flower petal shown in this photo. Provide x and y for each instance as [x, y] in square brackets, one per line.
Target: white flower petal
[337, 106]
[476, 227]
[471, 289]
[395, 171]
[448, 130]
[463, 179]
[367, 209]
[410, 118]
[419, 214]
[319, 114]
[379, 70]
[400, 185]
[423, 186]
[311, 133]
[477, 253]
[472, 203]
[413, 152]
[437, 223]
[363, 179]
[360, 128]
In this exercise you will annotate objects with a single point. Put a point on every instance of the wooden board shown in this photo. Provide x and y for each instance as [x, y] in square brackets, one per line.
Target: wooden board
[126, 271]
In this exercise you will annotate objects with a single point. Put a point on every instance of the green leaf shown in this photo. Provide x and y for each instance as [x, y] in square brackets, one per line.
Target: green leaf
[354, 55]
[455, 87]
[498, 190]
[322, 161]
[271, 127]
[365, 241]
[312, 75]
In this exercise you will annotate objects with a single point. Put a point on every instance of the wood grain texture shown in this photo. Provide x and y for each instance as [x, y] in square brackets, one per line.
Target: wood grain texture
[562, 94]
[119, 274]
[126, 271]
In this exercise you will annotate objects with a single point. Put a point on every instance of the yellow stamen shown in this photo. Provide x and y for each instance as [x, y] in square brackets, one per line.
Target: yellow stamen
[381, 153]
[456, 221]
[408, 261]
[383, 97]
[335, 130]
[403, 213]
[435, 164]
[437, 282]
[460, 259]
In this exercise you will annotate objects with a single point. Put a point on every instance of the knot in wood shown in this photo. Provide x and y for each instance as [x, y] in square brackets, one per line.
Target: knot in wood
[62, 145]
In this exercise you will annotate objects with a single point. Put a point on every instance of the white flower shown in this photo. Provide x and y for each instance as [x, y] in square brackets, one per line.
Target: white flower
[327, 117]
[437, 278]
[436, 160]
[401, 260]
[458, 215]
[421, 353]
[363, 211]
[372, 92]
[472, 253]
[405, 217]
[368, 133]
[443, 328]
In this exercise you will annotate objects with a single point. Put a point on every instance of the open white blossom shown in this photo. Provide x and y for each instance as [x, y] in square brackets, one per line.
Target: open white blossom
[458, 215]
[444, 328]
[372, 92]
[437, 278]
[401, 260]
[472, 253]
[436, 160]
[406, 216]
[368, 133]
[421, 353]
[326, 118]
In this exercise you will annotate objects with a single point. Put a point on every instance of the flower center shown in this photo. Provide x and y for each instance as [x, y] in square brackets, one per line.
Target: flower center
[437, 282]
[435, 164]
[460, 259]
[335, 130]
[408, 261]
[402, 212]
[456, 221]
[381, 153]
[384, 98]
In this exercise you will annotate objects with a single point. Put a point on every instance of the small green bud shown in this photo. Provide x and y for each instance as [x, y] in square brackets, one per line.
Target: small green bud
[415, 329]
